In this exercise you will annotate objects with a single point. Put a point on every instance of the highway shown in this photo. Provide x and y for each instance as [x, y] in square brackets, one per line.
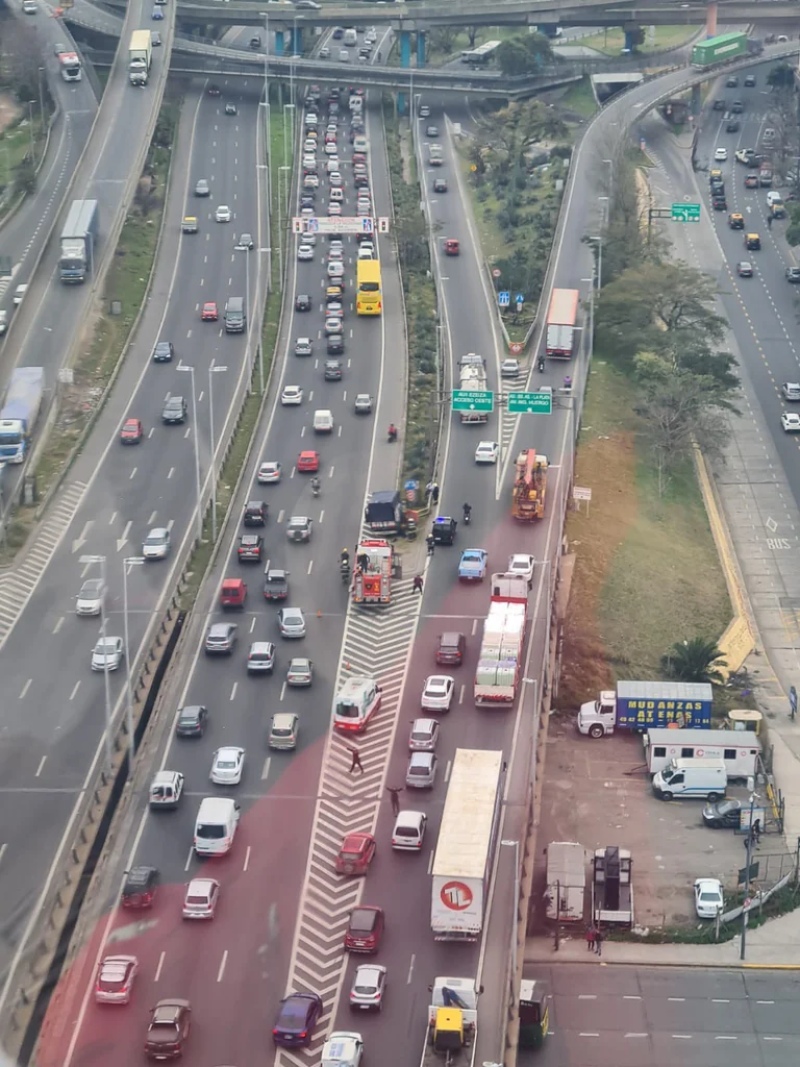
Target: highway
[54, 717]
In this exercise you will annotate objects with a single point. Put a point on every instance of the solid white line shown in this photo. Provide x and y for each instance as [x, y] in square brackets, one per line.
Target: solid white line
[40, 768]
[25, 688]
[246, 859]
[158, 968]
[223, 961]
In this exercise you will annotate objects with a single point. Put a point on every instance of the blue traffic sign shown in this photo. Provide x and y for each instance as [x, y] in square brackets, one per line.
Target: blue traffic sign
[519, 298]
[504, 298]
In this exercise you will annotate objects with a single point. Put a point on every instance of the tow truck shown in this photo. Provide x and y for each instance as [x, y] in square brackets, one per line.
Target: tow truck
[376, 564]
[530, 486]
[452, 1023]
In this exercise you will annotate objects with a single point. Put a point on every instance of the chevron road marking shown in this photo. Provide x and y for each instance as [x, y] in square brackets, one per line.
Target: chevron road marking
[377, 643]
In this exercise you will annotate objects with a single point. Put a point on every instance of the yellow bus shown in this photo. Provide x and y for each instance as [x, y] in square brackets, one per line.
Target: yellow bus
[369, 299]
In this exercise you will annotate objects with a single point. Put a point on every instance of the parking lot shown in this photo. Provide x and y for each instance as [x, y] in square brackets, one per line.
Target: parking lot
[597, 792]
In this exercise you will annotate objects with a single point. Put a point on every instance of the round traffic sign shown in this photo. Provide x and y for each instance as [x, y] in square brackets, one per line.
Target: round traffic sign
[473, 168]
[515, 348]
[457, 896]
[496, 273]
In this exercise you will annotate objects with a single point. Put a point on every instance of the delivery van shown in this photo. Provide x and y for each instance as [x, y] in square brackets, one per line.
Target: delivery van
[701, 779]
[738, 749]
[350, 37]
[235, 320]
[215, 827]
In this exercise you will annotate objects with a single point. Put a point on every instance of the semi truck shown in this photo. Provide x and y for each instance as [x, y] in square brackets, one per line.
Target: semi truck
[140, 54]
[472, 377]
[464, 859]
[23, 402]
[530, 486]
[78, 241]
[452, 1029]
[562, 321]
[566, 881]
[70, 66]
[719, 49]
[374, 568]
[612, 887]
[499, 667]
[640, 706]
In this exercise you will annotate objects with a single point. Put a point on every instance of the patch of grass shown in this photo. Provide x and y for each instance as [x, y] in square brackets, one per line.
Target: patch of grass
[611, 41]
[579, 99]
[646, 567]
[437, 55]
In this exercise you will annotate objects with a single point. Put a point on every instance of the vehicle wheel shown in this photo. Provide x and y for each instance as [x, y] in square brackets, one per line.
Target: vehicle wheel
[712, 798]
[596, 730]
[666, 796]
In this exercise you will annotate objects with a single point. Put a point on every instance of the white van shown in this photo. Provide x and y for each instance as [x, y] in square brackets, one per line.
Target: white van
[703, 779]
[739, 750]
[215, 827]
[350, 37]
[323, 421]
[354, 705]
[409, 831]
[360, 143]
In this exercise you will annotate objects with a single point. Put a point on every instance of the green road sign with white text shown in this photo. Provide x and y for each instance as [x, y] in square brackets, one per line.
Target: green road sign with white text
[470, 400]
[531, 403]
[685, 212]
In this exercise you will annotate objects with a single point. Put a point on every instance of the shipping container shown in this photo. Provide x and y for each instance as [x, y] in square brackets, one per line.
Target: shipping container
[718, 49]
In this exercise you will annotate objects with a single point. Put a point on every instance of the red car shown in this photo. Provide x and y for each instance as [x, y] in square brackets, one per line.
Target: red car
[308, 462]
[451, 247]
[356, 854]
[364, 929]
[209, 312]
[132, 432]
[751, 181]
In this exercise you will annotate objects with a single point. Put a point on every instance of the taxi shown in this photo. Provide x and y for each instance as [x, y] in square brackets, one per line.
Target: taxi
[752, 242]
[451, 247]
[132, 432]
[736, 221]
[189, 224]
[356, 854]
[308, 462]
[210, 312]
[355, 704]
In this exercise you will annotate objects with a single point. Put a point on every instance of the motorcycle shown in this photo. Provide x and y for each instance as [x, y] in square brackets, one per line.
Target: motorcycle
[540, 365]
[344, 570]
[316, 488]
[392, 434]
[467, 515]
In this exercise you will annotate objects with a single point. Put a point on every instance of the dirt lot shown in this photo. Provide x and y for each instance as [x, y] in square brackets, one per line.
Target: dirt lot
[598, 793]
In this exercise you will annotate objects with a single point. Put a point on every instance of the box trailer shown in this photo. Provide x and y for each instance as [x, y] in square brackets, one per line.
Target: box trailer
[640, 706]
[566, 881]
[719, 49]
[739, 750]
[78, 240]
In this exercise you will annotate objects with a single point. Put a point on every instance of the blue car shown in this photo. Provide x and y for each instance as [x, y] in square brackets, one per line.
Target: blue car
[157, 15]
[297, 1017]
[472, 567]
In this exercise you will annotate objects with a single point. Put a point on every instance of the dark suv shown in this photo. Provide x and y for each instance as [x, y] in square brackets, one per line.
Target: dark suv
[335, 345]
[140, 887]
[451, 648]
[255, 513]
[175, 410]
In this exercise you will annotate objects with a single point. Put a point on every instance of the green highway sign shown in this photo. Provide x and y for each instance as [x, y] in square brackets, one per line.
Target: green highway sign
[471, 400]
[540, 403]
[685, 213]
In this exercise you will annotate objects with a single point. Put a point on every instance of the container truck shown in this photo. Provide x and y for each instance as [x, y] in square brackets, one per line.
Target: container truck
[452, 1029]
[566, 881]
[464, 858]
[77, 241]
[139, 57]
[562, 321]
[612, 887]
[640, 706]
[472, 377]
[499, 667]
[19, 413]
[719, 49]
[70, 66]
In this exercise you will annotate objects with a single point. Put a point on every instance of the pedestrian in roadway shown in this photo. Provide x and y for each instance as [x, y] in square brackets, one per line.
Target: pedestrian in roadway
[769, 222]
[591, 934]
[598, 941]
[355, 759]
[394, 795]
[429, 541]
[434, 494]
[418, 583]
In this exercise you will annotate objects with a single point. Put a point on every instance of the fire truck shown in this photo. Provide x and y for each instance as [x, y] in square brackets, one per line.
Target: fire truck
[375, 566]
[530, 486]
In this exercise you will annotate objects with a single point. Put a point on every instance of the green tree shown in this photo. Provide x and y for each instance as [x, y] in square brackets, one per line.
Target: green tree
[442, 38]
[513, 58]
[781, 77]
[697, 660]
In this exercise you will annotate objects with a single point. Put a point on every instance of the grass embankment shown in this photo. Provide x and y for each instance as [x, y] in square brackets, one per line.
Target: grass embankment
[611, 41]
[422, 406]
[646, 567]
[579, 99]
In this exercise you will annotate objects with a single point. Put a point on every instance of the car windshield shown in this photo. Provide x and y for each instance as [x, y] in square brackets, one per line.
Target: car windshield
[226, 764]
[156, 539]
[211, 831]
[345, 709]
[189, 717]
[710, 896]
[197, 898]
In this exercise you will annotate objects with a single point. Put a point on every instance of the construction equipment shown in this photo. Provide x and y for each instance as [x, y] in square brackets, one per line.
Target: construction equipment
[375, 565]
[530, 486]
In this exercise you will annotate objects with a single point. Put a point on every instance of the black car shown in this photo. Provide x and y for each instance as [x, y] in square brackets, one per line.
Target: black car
[737, 107]
[749, 81]
[251, 547]
[255, 513]
[719, 105]
[213, 89]
[139, 889]
[255, 42]
[440, 185]
[307, 200]
[733, 126]
[725, 814]
[335, 345]
[175, 410]
[719, 203]
[297, 1017]
[231, 109]
[163, 352]
[192, 721]
[302, 302]
[333, 370]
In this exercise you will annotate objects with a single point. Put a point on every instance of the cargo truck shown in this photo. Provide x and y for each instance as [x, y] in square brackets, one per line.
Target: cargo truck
[499, 669]
[472, 377]
[562, 322]
[70, 66]
[640, 706]
[450, 1037]
[464, 859]
[140, 55]
[19, 413]
[612, 887]
[435, 155]
[77, 241]
[719, 49]
[566, 881]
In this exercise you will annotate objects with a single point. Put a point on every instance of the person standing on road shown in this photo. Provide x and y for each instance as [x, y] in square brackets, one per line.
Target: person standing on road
[598, 941]
[418, 583]
[394, 795]
[591, 933]
[355, 759]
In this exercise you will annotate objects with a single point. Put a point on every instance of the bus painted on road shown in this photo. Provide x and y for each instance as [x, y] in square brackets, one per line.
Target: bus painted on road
[369, 297]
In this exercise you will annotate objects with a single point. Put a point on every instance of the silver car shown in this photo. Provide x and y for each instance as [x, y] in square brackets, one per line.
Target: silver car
[424, 735]
[368, 987]
[283, 731]
[90, 598]
[421, 770]
[291, 622]
[107, 654]
[157, 543]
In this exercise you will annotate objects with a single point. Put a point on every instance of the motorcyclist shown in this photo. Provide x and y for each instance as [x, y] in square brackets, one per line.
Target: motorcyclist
[467, 509]
[541, 364]
[345, 558]
[392, 432]
[315, 485]
[567, 381]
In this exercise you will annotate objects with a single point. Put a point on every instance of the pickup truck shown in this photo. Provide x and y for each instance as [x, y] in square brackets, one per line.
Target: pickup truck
[276, 584]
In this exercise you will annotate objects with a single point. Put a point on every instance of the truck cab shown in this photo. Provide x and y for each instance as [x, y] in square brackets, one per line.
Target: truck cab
[597, 718]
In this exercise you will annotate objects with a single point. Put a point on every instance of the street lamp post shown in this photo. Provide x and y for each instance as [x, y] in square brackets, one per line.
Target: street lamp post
[30, 130]
[130, 561]
[267, 111]
[290, 137]
[285, 172]
[753, 798]
[190, 370]
[212, 370]
[101, 560]
[599, 275]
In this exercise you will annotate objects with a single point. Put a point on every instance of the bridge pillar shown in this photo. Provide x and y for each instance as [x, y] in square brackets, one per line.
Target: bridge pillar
[421, 41]
[296, 38]
[695, 103]
[279, 43]
[711, 18]
[631, 39]
[405, 61]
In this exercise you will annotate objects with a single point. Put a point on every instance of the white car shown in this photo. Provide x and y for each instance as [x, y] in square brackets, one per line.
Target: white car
[487, 452]
[708, 898]
[202, 895]
[774, 197]
[336, 244]
[519, 563]
[334, 208]
[363, 206]
[791, 390]
[107, 654]
[343, 1049]
[223, 213]
[311, 181]
[227, 766]
[335, 179]
[292, 396]
[335, 270]
[437, 693]
[335, 255]
[337, 196]
[331, 149]
[365, 252]
[305, 253]
[269, 473]
[366, 993]
[157, 543]
[115, 977]
[721, 155]
[790, 421]
[90, 598]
